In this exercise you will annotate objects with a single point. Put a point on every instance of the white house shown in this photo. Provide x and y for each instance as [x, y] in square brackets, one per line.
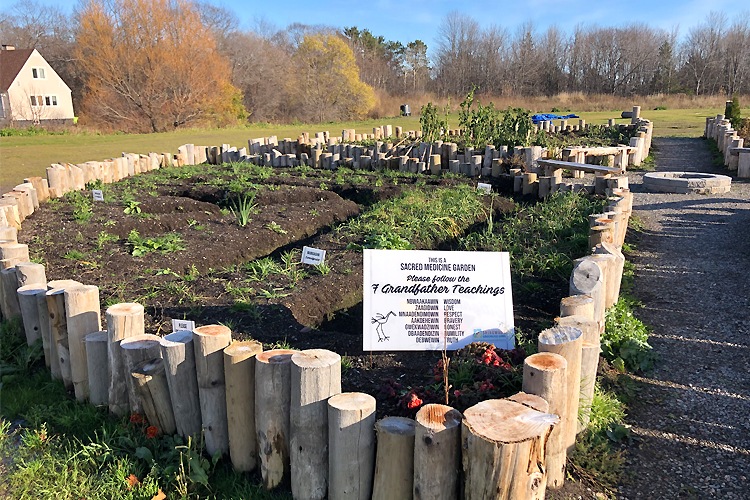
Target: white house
[31, 92]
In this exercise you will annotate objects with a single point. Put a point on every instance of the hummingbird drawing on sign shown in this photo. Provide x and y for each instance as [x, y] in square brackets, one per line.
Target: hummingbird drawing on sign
[381, 320]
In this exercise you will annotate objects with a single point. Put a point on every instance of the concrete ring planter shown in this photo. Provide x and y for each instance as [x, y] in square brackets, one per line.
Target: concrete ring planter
[686, 182]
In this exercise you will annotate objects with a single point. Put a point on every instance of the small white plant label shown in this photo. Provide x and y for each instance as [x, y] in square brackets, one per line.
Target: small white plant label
[98, 194]
[313, 256]
[485, 188]
[182, 324]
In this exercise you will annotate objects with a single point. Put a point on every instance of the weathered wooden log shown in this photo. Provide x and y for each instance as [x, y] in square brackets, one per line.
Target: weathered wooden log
[394, 465]
[588, 327]
[273, 386]
[179, 363]
[544, 374]
[351, 438]
[587, 278]
[83, 316]
[62, 284]
[589, 365]
[150, 382]
[18, 251]
[98, 367]
[504, 446]
[239, 374]
[10, 306]
[566, 342]
[437, 452]
[577, 305]
[316, 376]
[608, 264]
[8, 234]
[616, 270]
[209, 342]
[134, 351]
[28, 273]
[59, 330]
[124, 320]
[41, 309]
[29, 311]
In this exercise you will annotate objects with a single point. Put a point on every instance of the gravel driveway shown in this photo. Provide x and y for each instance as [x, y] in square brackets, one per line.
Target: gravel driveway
[691, 420]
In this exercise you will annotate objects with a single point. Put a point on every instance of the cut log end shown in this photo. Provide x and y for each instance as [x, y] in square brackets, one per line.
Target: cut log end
[505, 421]
[125, 309]
[352, 401]
[276, 356]
[546, 361]
[531, 401]
[212, 331]
[315, 358]
[559, 335]
[396, 425]
[438, 417]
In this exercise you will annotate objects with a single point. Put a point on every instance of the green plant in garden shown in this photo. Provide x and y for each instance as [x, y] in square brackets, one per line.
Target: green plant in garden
[733, 112]
[486, 125]
[273, 226]
[625, 339]
[74, 255]
[102, 238]
[163, 244]
[432, 126]
[323, 268]
[242, 207]
[132, 207]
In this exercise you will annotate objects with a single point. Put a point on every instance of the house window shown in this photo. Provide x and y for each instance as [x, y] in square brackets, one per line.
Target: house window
[38, 73]
[39, 100]
[33, 100]
[54, 100]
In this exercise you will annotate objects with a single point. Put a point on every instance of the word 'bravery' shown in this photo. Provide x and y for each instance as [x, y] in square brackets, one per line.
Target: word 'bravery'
[417, 289]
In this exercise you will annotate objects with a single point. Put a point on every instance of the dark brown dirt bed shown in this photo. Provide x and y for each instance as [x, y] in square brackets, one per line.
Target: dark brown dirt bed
[691, 417]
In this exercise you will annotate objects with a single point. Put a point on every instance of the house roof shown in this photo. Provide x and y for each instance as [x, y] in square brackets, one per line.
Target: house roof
[11, 62]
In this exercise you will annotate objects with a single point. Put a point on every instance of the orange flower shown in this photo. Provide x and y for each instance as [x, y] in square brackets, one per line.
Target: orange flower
[137, 419]
[414, 402]
[133, 481]
[151, 431]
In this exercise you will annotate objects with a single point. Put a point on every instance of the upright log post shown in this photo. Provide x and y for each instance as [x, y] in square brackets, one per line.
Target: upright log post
[577, 305]
[588, 327]
[351, 438]
[587, 278]
[239, 373]
[273, 387]
[30, 312]
[616, 270]
[566, 342]
[316, 376]
[10, 306]
[59, 328]
[83, 316]
[589, 365]
[209, 342]
[124, 320]
[394, 465]
[98, 367]
[50, 355]
[150, 383]
[28, 273]
[504, 446]
[437, 452]
[179, 363]
[134, 351]
[544, 374]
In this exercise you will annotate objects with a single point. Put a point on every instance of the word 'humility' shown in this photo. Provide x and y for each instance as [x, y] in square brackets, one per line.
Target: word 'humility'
[417, 289]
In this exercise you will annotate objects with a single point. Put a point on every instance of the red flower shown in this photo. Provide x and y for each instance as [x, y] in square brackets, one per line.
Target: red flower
[414, 402]
[137, 419]
[151, 432]
[457, 393]
[486, 387]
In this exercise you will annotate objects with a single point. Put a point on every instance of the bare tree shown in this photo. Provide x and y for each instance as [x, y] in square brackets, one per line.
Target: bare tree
[702, 48]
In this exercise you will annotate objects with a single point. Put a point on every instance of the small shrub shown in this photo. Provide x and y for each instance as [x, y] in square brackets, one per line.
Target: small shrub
[733, 113]
[660, 108]
[625, 339]
[167, 243]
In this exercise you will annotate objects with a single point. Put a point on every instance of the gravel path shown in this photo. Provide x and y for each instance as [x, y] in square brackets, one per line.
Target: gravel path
[691, 421]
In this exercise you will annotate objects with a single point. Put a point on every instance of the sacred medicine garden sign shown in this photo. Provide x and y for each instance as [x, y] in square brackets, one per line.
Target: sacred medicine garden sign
[418, 300]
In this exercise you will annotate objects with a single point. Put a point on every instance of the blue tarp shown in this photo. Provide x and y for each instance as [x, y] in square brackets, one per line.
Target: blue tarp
[542, 118]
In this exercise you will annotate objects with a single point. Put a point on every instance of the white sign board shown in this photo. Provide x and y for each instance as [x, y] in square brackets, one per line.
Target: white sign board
[98, 194]
[416, 300]
[485, 188]
[182, 324]
[313, 256]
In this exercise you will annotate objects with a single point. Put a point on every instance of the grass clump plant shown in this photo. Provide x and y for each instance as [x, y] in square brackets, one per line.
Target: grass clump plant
[243, 207]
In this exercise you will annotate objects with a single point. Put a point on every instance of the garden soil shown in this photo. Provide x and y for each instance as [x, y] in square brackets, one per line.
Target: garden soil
[690, 417]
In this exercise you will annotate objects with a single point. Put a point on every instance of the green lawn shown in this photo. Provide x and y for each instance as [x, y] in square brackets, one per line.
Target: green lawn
[29, 156]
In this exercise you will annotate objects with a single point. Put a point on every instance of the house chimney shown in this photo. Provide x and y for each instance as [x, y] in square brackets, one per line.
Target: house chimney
[9, 47]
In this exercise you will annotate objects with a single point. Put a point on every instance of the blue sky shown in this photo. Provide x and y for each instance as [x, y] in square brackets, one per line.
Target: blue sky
[407, 20]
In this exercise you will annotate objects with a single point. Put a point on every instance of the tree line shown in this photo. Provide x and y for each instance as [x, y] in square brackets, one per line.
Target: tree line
[152, 65]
